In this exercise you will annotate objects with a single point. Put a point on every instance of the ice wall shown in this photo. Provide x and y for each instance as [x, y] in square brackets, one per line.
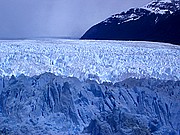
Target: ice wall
[49, 104]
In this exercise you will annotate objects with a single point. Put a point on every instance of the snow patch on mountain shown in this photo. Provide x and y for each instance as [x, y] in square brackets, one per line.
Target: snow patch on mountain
[130, 15]
[163, 6]
[156, 6]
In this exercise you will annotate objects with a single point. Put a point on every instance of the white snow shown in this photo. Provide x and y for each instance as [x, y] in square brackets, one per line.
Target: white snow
[123, 18]
[99, 60]
[161, 6]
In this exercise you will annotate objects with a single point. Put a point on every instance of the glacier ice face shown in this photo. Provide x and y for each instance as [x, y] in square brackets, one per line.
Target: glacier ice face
[99, 60]
[49, 104]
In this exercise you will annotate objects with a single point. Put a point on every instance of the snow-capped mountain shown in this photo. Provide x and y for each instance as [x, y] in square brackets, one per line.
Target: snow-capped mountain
[157, 6]
[141, 24]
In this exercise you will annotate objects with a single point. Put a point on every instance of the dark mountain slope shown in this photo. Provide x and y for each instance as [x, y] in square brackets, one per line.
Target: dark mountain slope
[168, 30]
[139, 29]
[159, 21]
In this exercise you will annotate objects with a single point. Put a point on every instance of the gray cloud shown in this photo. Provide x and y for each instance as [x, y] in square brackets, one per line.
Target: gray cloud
[36, 18]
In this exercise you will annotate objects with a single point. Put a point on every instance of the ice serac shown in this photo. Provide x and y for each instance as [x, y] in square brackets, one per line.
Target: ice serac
[147, 23]
[49, 104]
[97, 60]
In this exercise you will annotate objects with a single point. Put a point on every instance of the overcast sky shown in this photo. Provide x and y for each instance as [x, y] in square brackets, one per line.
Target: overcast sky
[56, 18]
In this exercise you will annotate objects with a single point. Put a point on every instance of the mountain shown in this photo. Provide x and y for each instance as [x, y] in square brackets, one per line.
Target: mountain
[157, 21]
[55, 105]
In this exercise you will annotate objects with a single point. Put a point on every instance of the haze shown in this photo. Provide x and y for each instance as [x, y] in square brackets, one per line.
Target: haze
[56, 18]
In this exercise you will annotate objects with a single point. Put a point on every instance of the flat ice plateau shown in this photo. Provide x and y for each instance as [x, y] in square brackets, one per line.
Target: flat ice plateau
[100, 60]
[74, 87]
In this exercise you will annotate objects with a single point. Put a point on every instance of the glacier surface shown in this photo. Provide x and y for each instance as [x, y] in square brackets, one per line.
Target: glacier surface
[99, 60]
[76, 87]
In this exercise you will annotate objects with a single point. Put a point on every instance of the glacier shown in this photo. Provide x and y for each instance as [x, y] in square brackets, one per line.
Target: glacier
[55, 105]
[86, 87]
[99, 60]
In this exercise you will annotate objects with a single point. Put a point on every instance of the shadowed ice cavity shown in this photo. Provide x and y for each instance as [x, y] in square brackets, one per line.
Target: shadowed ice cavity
[49, 104]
